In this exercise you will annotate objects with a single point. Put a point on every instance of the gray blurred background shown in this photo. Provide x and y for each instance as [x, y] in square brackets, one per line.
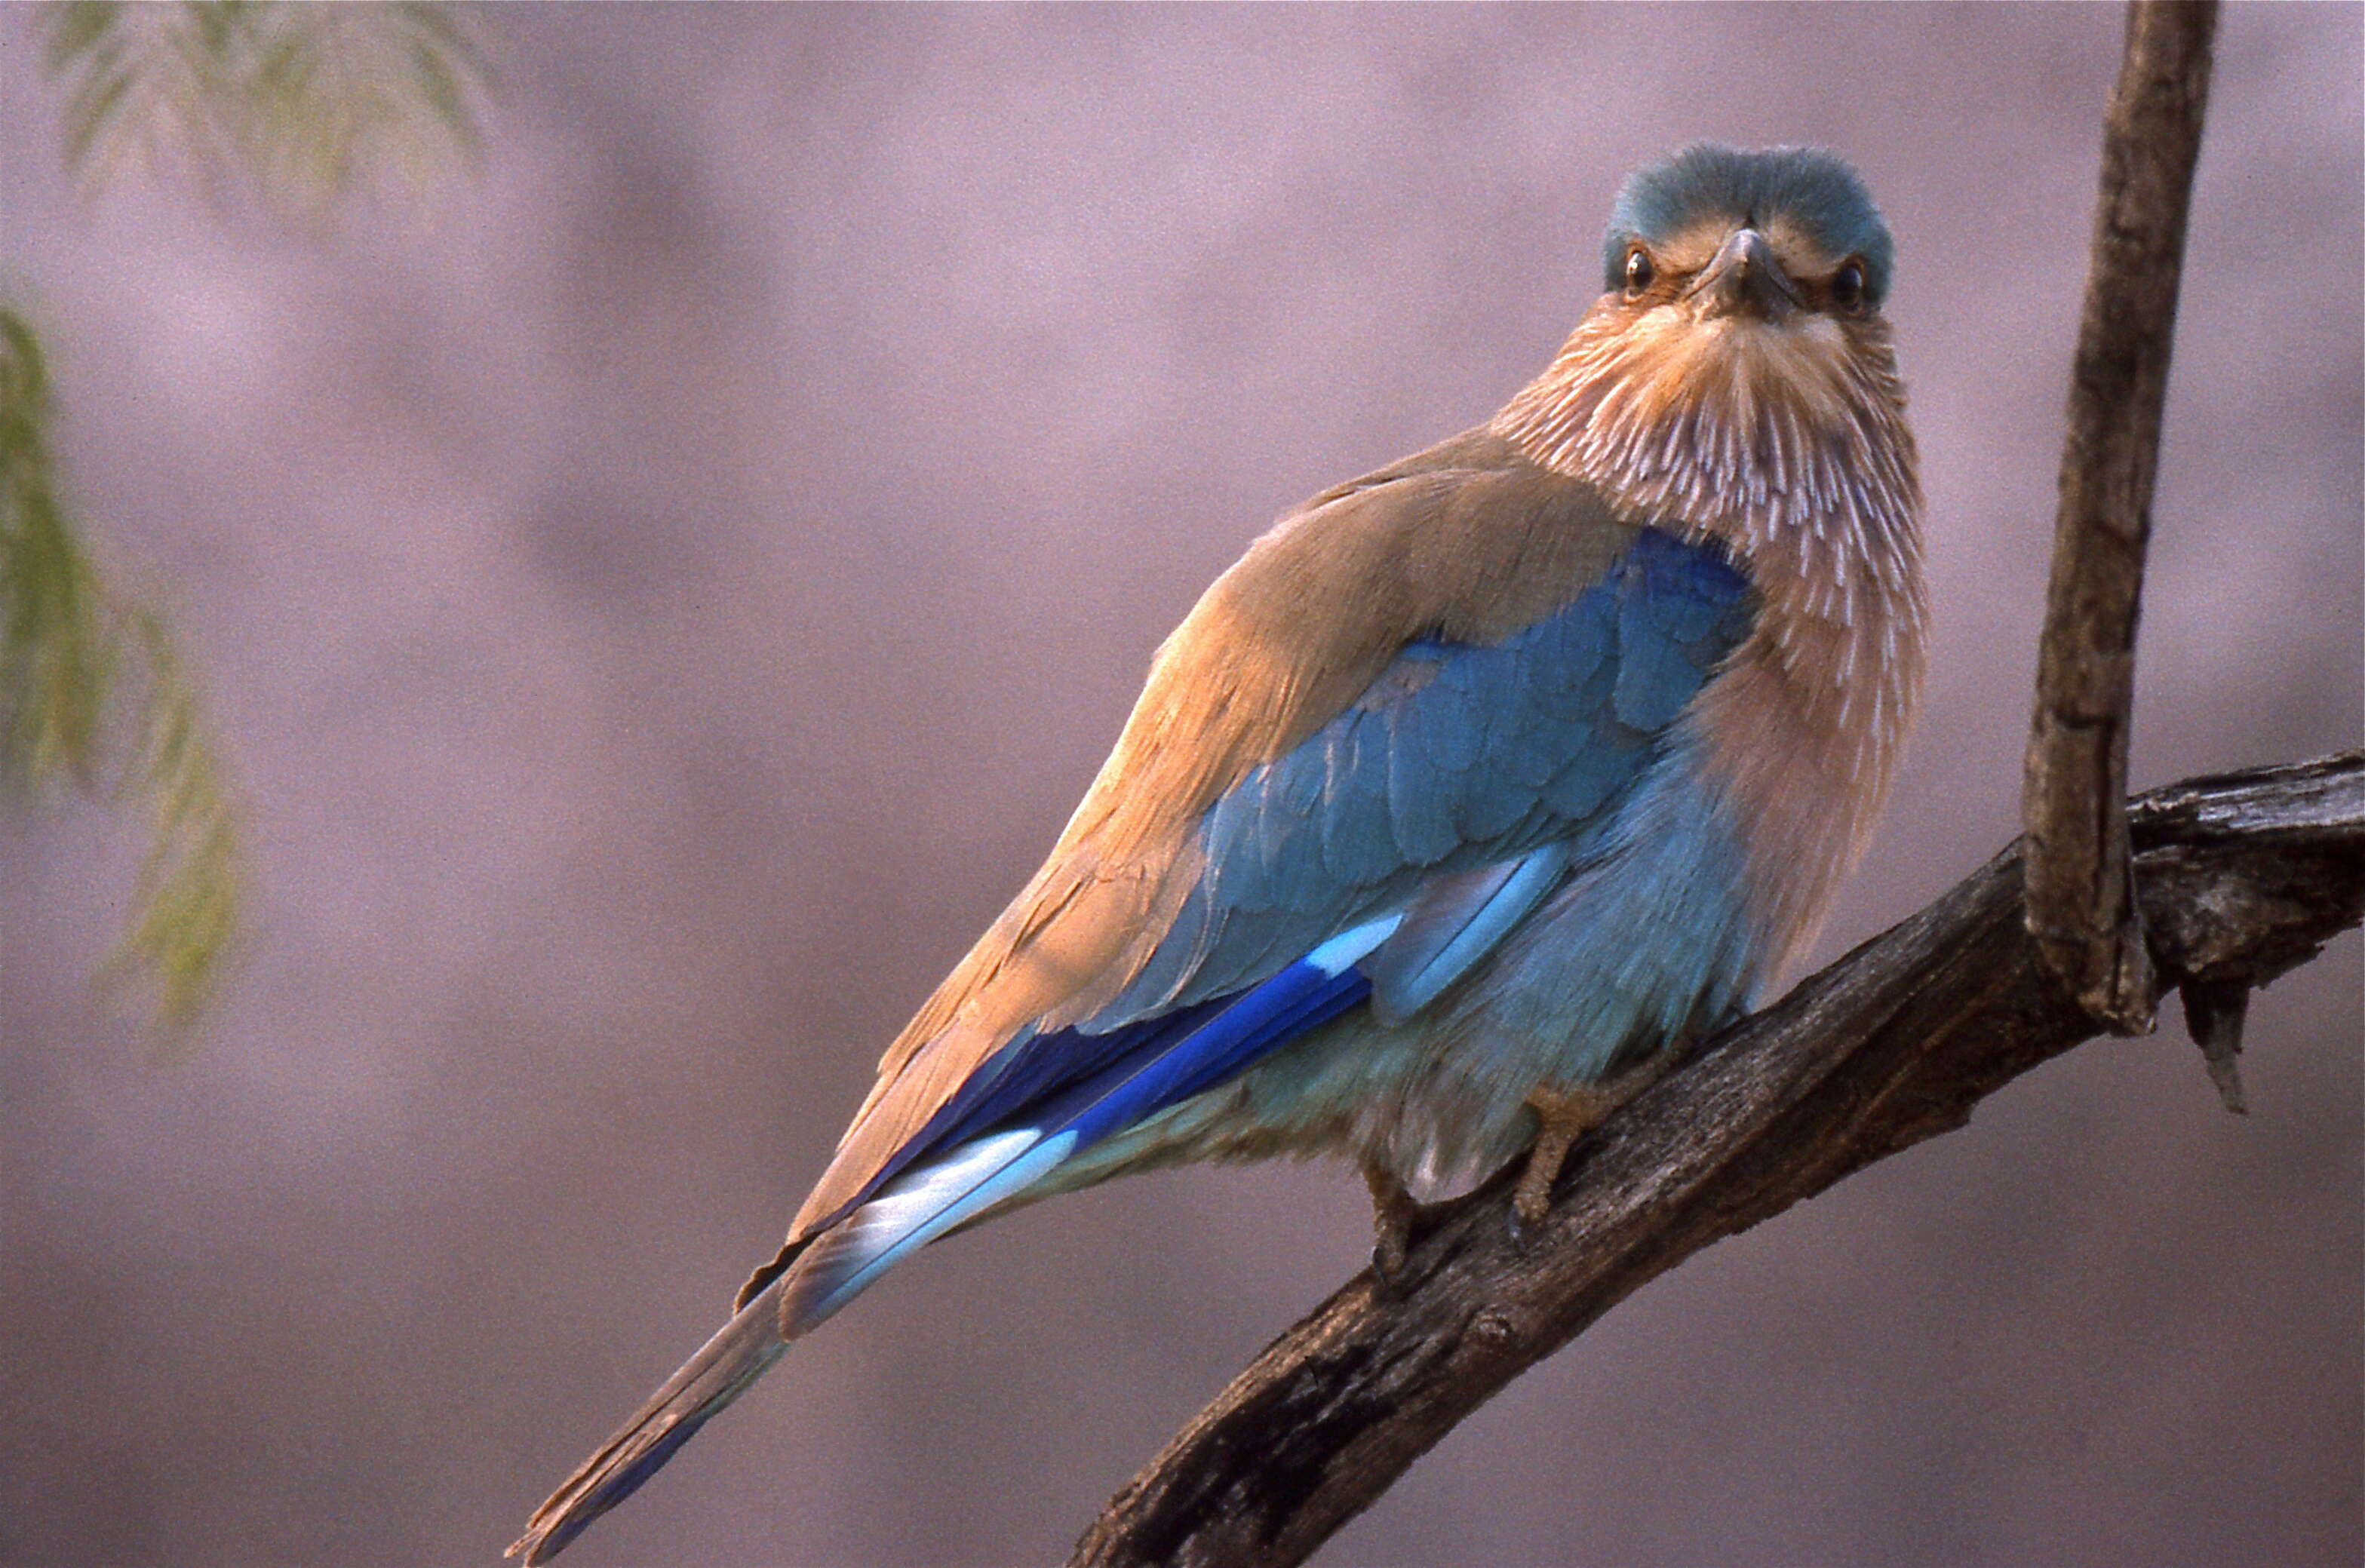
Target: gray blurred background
[664, 597]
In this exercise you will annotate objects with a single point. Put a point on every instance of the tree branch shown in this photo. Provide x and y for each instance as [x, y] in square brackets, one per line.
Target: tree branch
[2238, 880]
[2081, 906]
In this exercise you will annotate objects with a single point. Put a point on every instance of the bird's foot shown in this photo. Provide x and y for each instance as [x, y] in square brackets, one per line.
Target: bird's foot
[1564, 1115]
[1394, 1215]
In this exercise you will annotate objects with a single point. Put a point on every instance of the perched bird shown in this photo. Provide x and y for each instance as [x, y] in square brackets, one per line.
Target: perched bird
[1479, 786]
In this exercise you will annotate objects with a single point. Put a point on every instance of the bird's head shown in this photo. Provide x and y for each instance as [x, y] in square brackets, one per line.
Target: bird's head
[1716, 238]
[1738, 360]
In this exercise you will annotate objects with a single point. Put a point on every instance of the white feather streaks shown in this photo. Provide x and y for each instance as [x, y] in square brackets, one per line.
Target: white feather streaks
[1787, 442]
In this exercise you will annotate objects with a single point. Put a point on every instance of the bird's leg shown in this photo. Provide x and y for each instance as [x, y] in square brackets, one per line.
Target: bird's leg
[1566, 1115]
[1393, 1213]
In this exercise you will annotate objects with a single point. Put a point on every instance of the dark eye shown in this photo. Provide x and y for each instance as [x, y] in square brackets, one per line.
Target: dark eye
[1639, 271]
[1848, 286]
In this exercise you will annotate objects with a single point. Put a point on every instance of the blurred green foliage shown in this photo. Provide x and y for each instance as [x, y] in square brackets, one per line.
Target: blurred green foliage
[311, 102]
[52, 660]
[92, 695]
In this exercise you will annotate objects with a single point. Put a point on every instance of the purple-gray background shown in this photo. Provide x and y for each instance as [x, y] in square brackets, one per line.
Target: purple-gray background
[664, 596]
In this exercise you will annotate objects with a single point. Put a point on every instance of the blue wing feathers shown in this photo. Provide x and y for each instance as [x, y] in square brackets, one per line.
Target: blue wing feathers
[1457, 758]
[1455, 921]
[1575, 670]
[1298, 999]
[1358, 845]
[1420, 813]
[1450, 725]
[1296, 791]
[1181, 955]
[1673, 601]
[1025, 1076]
[1235, 873]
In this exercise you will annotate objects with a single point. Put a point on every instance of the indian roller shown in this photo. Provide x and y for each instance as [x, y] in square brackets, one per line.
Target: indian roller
[1479, 788]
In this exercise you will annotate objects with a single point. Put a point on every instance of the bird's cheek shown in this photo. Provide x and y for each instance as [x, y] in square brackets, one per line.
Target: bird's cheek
[1819, 333]
[1661, 329]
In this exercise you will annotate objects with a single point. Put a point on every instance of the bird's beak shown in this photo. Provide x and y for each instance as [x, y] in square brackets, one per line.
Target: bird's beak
[1744, 280]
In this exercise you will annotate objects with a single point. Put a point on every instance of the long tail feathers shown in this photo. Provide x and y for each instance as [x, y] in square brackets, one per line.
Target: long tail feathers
[924, 1202]
[719, 1373]
[828, 1272]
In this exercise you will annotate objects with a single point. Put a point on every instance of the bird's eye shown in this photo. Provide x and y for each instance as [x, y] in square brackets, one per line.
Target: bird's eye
[1848, 286]
[1639, 271]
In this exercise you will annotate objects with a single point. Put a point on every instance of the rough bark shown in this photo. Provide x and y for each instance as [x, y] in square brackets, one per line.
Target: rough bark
[2079, 904]
[2239, 879]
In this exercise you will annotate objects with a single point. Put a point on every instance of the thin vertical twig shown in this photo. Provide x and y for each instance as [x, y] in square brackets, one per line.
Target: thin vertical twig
[2080, 900]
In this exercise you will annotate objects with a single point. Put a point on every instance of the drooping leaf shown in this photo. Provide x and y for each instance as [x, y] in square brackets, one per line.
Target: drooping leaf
[93, 697]
[53, 654]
